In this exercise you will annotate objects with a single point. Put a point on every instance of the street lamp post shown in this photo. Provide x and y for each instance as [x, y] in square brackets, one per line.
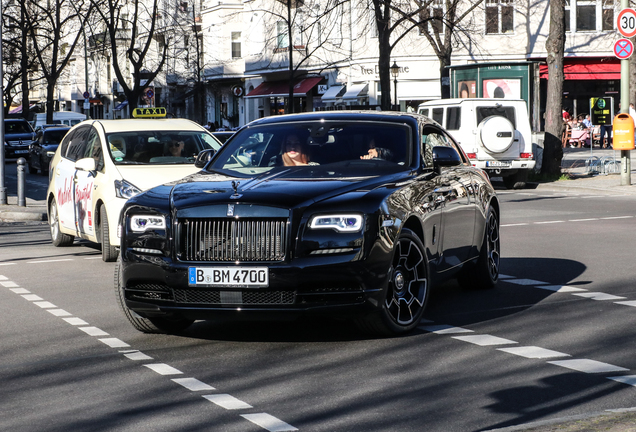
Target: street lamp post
[395, 71]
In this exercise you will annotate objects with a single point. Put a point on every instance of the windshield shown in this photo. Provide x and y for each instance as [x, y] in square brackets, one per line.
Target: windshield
[158, 148]
[53, 136]
[315, 149]
[17, 127]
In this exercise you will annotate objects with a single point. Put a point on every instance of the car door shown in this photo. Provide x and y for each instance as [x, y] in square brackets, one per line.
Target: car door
[72, 149]
[86, 182]
[452, 194]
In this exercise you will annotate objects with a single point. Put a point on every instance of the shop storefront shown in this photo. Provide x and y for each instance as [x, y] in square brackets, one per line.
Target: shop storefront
[272, 97]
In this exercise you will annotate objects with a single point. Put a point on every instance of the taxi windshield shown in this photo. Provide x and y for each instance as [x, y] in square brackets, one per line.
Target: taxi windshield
[158, 147]
[340, 148]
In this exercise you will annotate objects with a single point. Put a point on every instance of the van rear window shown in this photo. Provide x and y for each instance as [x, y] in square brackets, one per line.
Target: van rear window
[507, 112]
[438, 115]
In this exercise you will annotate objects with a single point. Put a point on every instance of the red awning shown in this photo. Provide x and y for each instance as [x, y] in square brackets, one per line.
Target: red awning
[587, 69]
[281, 88]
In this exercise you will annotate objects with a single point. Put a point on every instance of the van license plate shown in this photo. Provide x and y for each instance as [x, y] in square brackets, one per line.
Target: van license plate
[228, 277]
[498, 164]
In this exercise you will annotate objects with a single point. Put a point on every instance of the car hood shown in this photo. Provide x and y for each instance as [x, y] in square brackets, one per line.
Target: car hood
[280, 189]
[19, 137]
[148, 176]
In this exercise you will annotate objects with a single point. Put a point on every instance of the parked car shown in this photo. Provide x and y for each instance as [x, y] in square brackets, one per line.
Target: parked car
[18, 136]
[102, 163]
[223, 135]
[494, 133]
[43, 148]
[381, 208]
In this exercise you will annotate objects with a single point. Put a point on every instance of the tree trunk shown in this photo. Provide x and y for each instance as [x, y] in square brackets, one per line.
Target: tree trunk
[444, 73]
[555, 47]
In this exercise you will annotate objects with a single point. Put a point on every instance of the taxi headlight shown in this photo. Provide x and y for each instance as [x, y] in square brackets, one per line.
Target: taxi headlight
[124, 189]
[339, 222]
[141, 223]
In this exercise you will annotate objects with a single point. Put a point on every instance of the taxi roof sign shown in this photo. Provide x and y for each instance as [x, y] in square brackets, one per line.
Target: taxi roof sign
[149, 112]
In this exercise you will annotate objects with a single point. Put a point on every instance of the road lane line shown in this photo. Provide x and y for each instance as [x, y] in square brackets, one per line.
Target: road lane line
[49, 261]
[484, 340]
[3, 278]
[549, 222]
[59, 312]
[45, 304]
[588, 366]
[193, 384]
[136, 355]
[269, 422]
[32, 297]
[75, 321]
[526, 282]
[163, 369]
[93, 331]
[533, 352]
[631, 303]
[7, 264]
[9, 284]
[445, 329]
[626, 379]
[114, 342]
[560, 288]
[227, 401]
[20, 291]
[598, 296]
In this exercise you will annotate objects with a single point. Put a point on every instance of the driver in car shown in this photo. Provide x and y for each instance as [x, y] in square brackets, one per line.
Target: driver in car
[377, 152]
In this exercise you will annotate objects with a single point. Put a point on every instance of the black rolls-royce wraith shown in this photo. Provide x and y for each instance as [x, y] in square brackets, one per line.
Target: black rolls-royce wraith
[357, 214]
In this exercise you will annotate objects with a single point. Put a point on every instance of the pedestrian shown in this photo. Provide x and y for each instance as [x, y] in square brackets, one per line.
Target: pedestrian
[566, 115]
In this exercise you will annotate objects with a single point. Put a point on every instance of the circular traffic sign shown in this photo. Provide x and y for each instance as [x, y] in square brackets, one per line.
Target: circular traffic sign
[623, 49]
[86, 95]
[149, 93]
[626, 22]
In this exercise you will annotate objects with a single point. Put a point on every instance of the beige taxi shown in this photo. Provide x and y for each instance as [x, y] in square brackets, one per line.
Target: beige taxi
[101, 163]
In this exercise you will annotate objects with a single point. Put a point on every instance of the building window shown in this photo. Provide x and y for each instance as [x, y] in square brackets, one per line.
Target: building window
[236, 44]
[589, 15]
[499, 16]
[282, 40]
[432, 18]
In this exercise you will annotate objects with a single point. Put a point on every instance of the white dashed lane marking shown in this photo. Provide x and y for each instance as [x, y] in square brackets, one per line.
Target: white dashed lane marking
[163, 369]
[193, 384]
[561, 288]
[588, 366]
[568, 220]
[484, 340]
[227, 401]
[268, 422]
[533, 352]
[446, 329]
[598, 296]
[93, 331]
[114, 342]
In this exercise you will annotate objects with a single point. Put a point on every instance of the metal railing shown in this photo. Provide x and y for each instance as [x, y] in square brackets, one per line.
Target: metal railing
[603, 165]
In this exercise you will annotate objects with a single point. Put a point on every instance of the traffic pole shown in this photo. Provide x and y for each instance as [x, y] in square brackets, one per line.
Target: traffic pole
[626, 163]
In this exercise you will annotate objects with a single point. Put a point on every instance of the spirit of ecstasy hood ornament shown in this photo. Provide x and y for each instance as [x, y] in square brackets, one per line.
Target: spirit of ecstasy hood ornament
[235, 185]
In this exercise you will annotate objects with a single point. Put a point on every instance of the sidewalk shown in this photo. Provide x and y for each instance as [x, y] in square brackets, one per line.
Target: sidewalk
[35, 211]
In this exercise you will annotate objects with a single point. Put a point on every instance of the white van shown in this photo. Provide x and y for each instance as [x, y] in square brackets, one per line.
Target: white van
[494, 133]
[68, 118]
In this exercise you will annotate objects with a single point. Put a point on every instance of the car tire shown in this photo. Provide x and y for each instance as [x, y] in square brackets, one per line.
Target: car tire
[484, 273]
[58, 238]
[146, 325]
[109, 253]
[407, 291]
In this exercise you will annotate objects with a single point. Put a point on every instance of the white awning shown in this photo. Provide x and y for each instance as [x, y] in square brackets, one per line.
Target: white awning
[418, 90]
[356, 91]
[333, 93]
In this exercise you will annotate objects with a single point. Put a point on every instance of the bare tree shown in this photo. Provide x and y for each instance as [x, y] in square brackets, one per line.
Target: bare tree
[555, 47]
[59, 22]
[133, 33]
[308, 38]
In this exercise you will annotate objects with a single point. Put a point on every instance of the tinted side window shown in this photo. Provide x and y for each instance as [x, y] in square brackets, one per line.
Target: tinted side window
[434, 138]
[93, 149]
[424, 111]
[65, 143]
[438, 115]
[507, 112]
[77, 146]
[453, 118]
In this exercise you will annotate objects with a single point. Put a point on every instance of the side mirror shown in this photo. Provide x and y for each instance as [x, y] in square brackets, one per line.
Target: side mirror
[204, 157]
[445, 157]
[86, 164]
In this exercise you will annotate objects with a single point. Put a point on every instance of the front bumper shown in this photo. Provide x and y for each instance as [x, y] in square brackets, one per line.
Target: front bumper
[495, 165]
[158, 286]
[16, 151]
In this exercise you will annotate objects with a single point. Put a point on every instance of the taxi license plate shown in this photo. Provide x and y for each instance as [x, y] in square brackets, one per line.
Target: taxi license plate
[498, 163]
[240, 277]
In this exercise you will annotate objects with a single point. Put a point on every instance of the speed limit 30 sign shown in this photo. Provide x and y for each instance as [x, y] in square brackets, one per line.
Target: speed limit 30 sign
[626, 22]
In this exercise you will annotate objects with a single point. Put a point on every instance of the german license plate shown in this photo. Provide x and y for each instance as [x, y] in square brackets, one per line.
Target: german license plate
[498, 163]
[239, 277]
[21, 151]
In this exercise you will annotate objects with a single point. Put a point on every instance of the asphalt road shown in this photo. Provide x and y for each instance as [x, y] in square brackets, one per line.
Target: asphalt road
[553, 340]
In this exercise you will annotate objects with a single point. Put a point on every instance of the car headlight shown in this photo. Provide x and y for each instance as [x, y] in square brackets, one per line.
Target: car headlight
[141, 223]
[125, 190]
[341, 223]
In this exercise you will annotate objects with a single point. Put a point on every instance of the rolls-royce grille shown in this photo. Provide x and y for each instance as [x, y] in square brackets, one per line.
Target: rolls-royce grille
[233, 240]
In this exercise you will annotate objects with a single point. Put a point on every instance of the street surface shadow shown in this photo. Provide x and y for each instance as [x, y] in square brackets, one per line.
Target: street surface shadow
[448, 304]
